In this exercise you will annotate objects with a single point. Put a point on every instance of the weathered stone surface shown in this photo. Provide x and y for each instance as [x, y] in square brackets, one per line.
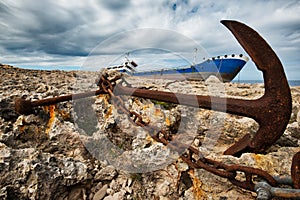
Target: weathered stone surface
[77, 193]
[45, 156]
[106, 174]
[101, 193]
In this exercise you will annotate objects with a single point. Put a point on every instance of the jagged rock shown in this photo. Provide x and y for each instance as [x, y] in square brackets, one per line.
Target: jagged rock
[41, 88]
[101, 193]
[117, 196]
[298, 117]
[34, 169]
[293, 132]
[107, 173]
[78, 194]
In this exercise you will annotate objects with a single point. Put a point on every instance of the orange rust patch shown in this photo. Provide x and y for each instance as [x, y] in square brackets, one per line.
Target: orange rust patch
[198, 192]
[157, 112]
[149, 138]
[105, 98]
[65, 115]
[258, 159]
[262, 163]
[137, 102]
[168, 122]
[109, 112]
[179, 174]
[148, 105]
[145, 107]
[102, 95]
[51, 110]
[22, 129]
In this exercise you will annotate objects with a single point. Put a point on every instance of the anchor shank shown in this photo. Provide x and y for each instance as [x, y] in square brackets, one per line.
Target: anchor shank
[229, 105]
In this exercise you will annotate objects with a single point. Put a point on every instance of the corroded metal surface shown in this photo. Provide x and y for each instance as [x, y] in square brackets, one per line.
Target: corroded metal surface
[273, 110]
[25, 107]
[265, 191]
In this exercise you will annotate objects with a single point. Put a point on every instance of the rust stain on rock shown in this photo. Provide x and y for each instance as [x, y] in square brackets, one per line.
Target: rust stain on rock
[197, 183]
[51, 110]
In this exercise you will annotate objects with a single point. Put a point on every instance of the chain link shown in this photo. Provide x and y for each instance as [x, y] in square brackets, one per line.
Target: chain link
[192, 156]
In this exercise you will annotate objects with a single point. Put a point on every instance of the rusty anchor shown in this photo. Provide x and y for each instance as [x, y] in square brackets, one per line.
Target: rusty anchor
[272, 111]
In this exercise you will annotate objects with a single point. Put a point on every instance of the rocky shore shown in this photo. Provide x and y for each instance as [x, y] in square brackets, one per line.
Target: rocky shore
[86, 149]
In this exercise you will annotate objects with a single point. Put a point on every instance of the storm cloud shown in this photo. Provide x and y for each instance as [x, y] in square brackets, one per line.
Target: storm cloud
[66, 32]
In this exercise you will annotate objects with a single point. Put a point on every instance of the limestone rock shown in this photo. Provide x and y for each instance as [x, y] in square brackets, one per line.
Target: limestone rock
[101, 193]
[107, 173]
[45, 155]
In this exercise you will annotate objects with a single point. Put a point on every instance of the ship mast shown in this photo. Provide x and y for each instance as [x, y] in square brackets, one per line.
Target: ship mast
[127, 56]
[195, 56]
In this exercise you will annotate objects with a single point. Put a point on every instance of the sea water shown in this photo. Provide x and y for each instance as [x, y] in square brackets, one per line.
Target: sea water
[291, 82]
[64, 68]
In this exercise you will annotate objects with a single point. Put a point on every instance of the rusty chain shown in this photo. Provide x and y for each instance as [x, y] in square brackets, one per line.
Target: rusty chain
[192, 156]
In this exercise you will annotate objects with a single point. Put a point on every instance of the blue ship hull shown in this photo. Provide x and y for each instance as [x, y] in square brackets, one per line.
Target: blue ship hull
[223, 67]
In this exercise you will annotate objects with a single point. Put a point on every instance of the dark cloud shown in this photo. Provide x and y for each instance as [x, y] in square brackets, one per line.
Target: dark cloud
[115, 4]
[60, 30]
[4, 9]
[43, 26]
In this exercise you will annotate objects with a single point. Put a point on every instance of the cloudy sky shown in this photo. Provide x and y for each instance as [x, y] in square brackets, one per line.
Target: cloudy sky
[72, 33]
